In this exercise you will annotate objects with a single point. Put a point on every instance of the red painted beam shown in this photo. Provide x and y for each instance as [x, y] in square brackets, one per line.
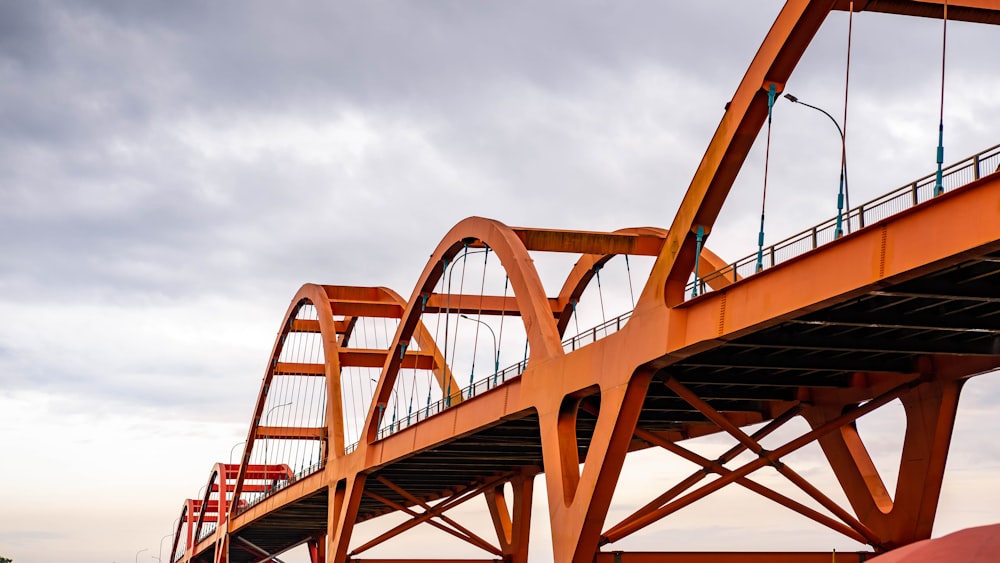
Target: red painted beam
[732, 557]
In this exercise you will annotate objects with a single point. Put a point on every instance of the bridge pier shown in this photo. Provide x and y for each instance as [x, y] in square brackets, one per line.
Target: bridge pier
[512, 524]
[908, 515]
[579, 499]
[317, 549]
[345, 497]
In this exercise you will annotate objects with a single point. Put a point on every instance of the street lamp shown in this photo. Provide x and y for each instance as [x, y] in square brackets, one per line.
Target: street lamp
[451, 270]
[496, 350]
[266, 415]
[161, 545]
[232, 449]
[138, 552]
[843, 196]
[395, 405]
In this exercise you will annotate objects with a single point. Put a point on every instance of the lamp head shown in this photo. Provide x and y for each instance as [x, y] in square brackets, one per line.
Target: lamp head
[791, 98]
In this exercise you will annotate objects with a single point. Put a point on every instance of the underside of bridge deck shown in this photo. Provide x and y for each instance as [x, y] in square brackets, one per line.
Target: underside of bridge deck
[888, 336]
[954, 312]
[280, 530]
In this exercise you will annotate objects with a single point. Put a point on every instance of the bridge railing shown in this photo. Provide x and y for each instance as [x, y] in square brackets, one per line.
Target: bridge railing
[479, 387]
[610, 326]
[887, 205]
[496, 379]
[900, 199]
[249, 501]
[485, 384]
[207, 529]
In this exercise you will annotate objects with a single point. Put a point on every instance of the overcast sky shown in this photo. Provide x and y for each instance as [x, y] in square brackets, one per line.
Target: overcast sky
[172, 172]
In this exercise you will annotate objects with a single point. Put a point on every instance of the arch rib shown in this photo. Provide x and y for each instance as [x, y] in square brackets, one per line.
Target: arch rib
[351, 302]
[316, 296]
[786, 41]
[583, 271]
[534, 306]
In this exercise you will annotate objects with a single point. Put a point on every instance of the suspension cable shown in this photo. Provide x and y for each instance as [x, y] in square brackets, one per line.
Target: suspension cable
[316, 350]
[771, 92]
[631, 294]
[576, 317]
[847, 82]
[503, 310]
[395, 395]
[447, 315]
[413, 386]
[479, 321]
[461, 291]
[600, 292]
[430, 374]
[939, 186]
[699, 240]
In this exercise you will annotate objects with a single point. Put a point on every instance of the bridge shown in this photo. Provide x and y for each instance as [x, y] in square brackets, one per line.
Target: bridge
[373, 404]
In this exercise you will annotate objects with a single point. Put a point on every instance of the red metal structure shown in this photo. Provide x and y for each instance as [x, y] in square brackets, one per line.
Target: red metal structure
[906, 307]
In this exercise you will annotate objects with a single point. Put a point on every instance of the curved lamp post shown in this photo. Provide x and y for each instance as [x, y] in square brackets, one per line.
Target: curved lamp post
[160, 558]
[232, 449]
[395, 406]
[843, 195]
[496, 350]
[266, 415]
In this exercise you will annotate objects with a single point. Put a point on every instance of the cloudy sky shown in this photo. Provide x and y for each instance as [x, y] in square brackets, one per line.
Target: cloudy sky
[171, 173]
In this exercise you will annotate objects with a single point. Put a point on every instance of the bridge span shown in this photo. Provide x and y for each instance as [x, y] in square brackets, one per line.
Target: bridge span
[371, 403]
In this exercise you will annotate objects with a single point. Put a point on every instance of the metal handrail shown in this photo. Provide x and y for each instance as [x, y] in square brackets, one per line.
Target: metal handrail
[887, 205]
[280, 484]
[905, 197]
[496, 379]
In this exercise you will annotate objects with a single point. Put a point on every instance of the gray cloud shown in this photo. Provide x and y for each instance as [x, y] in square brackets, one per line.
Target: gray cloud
[171, 151]
[170, 173]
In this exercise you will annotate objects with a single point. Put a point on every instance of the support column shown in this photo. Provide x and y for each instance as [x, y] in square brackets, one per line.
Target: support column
[222, 549]
[345, 498]
[579, 500]
[930, 421]
[908, 516]
[512, 524]
[317, 549]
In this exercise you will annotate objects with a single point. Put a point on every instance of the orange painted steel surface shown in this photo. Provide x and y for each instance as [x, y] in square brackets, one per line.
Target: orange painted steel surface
[911, 318]
[724, 557]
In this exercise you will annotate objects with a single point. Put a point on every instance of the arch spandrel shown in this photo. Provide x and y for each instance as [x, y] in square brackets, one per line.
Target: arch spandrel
[583, 272]
[442, 372]
[315, 295]
[529, 293]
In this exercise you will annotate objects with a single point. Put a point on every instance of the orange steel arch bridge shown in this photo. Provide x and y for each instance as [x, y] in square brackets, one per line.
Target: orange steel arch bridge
[372, 404]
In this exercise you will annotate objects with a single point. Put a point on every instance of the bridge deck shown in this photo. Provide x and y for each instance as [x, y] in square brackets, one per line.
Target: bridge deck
[905, 306]
[946, 307]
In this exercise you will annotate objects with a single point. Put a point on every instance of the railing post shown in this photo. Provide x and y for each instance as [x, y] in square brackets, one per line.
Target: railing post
[861, 216]
[916, 197]
[814, 233]
[770, 251]
[975, 173]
